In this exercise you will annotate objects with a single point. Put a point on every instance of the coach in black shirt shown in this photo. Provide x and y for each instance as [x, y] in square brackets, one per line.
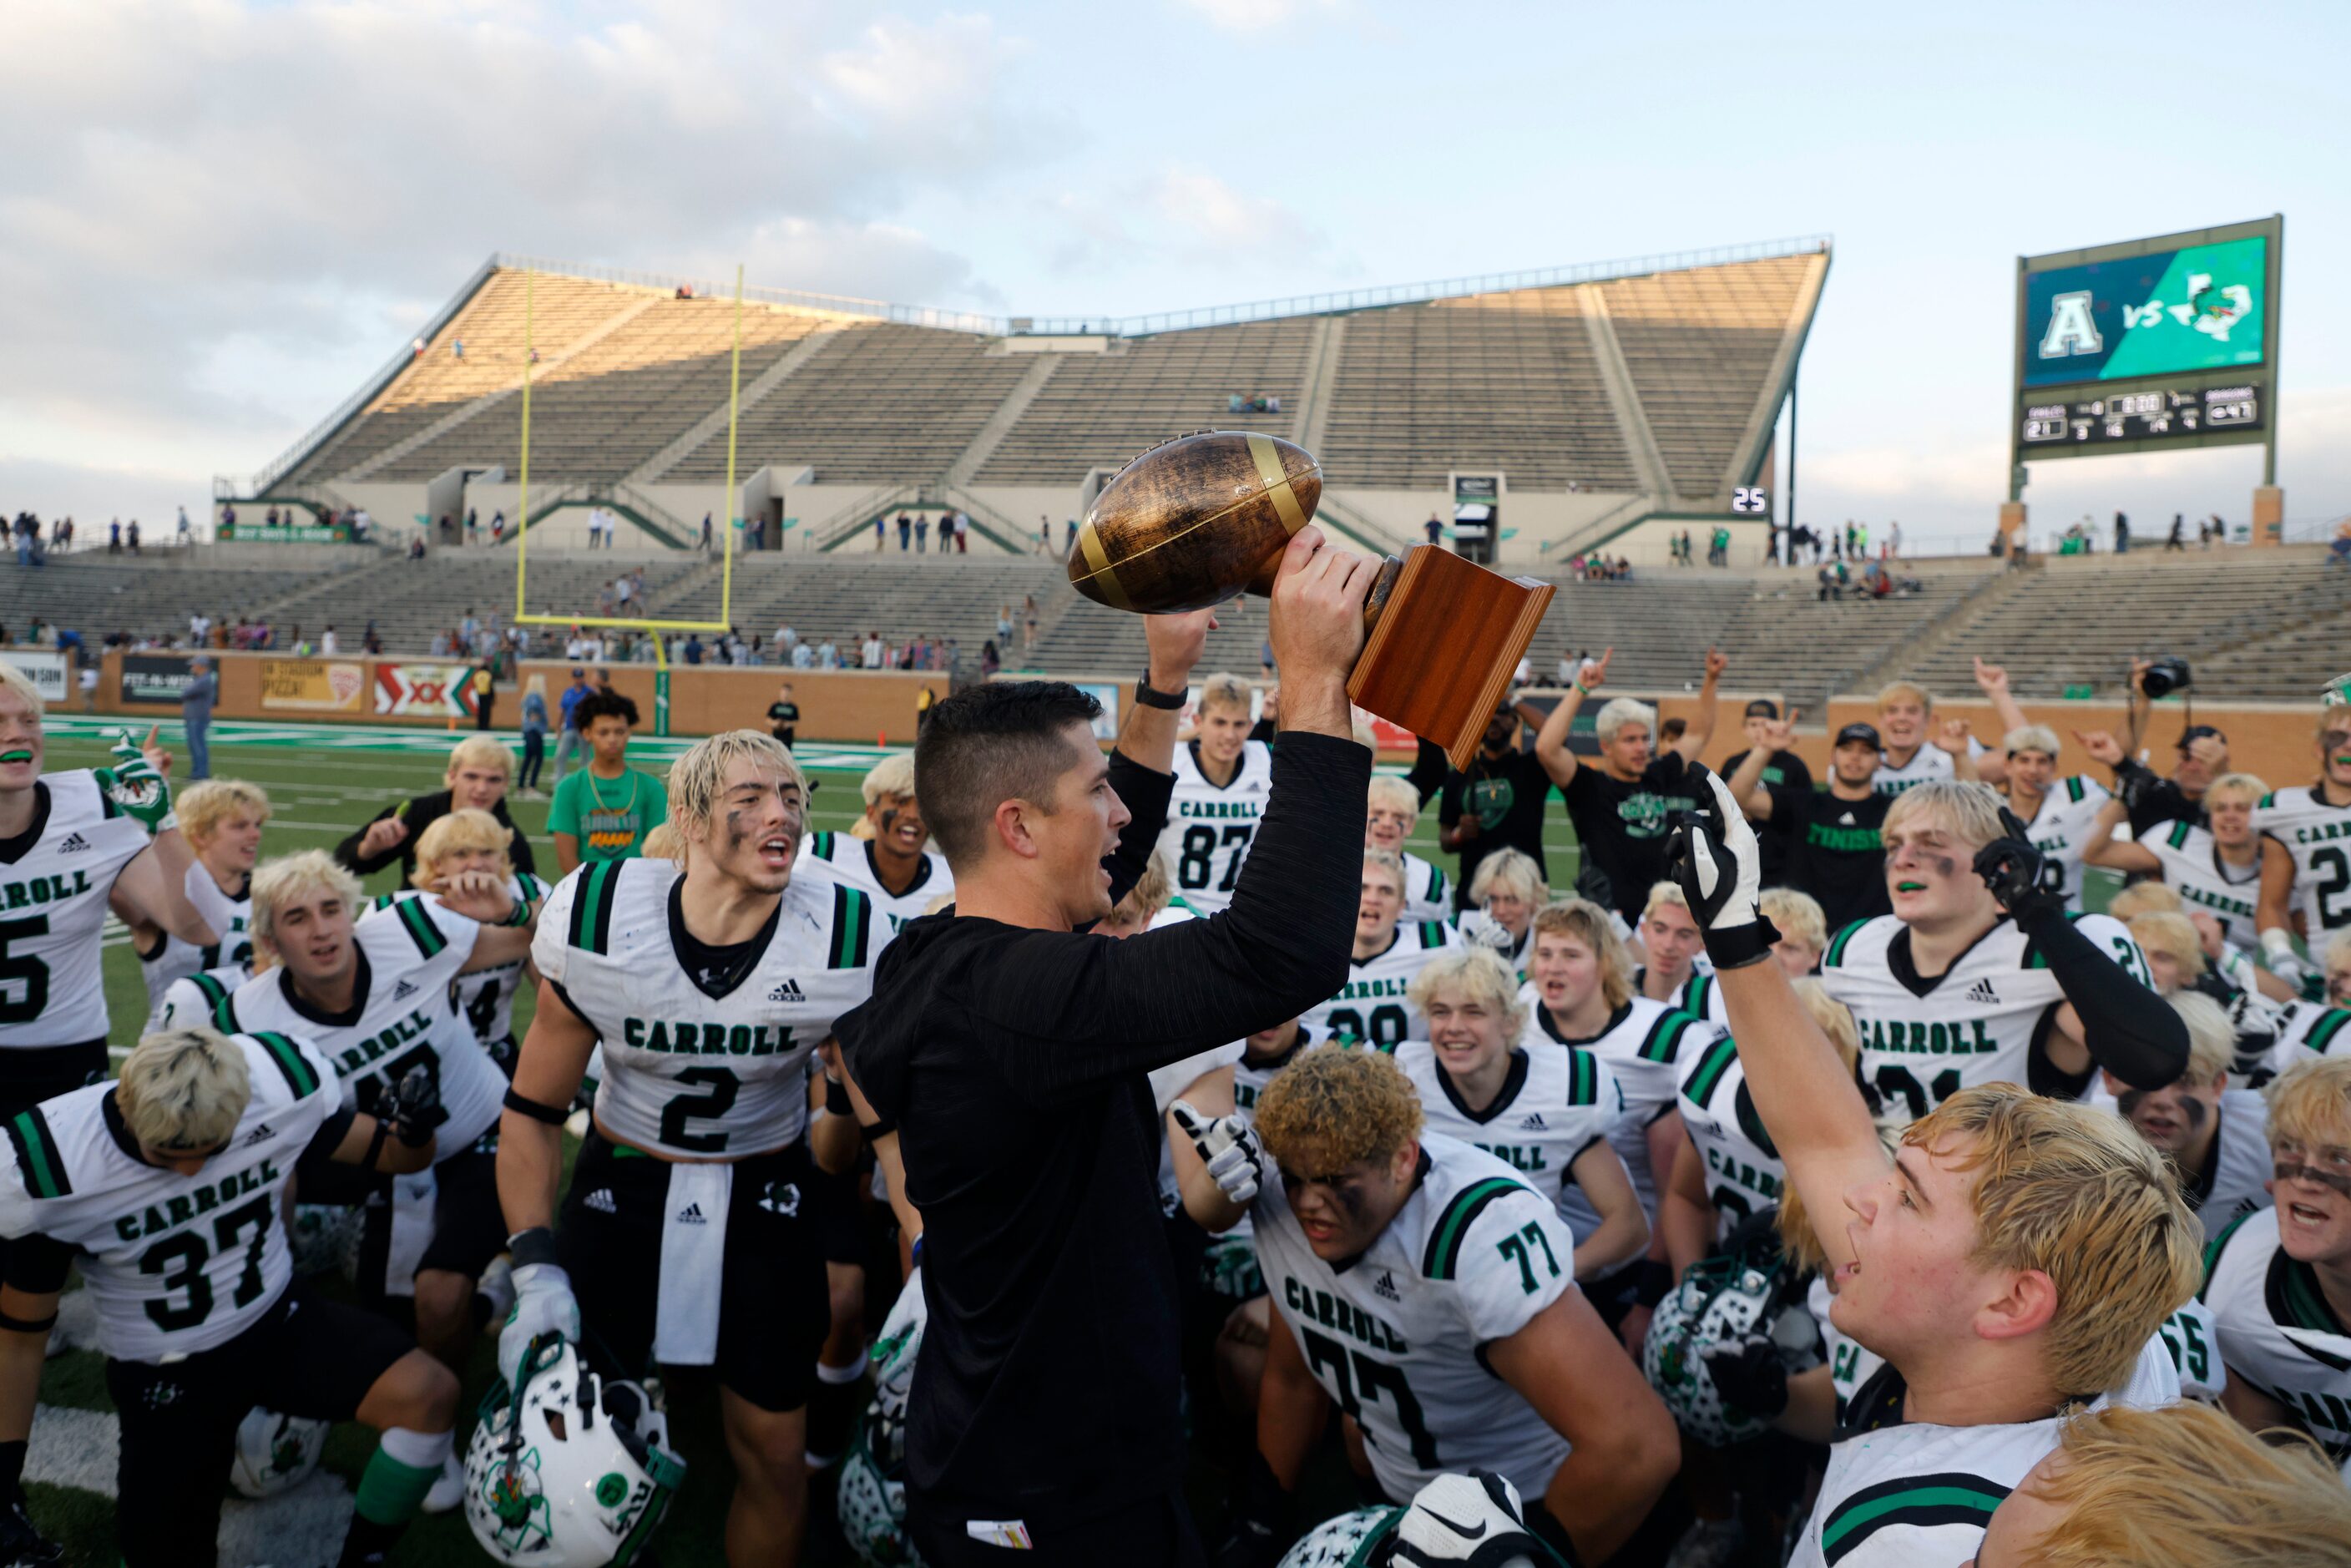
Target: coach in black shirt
[1006, 1051]
[480, 770]
[1781, 771]
[1837, 848]
[1497, 803]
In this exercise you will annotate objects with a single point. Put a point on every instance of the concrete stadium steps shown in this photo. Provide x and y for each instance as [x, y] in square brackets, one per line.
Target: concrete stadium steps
[409, 600]
[1101, 410]
[2079, 621]
[152, 595]
[1508, 381]
[844, 597]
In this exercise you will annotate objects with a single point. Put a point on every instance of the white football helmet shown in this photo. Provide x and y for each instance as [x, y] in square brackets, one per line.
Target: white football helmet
[576, 1472]
[872, 1499]
[275, 1453]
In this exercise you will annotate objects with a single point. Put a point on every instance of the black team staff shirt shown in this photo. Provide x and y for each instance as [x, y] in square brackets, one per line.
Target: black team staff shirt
[420, 814]
[1506, 794]
[1836, 852]
[1624, 827]
[1789, 769]
[1012, 1064]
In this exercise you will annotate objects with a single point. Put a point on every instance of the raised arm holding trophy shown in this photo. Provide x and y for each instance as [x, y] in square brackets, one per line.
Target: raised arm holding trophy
[1197, 519]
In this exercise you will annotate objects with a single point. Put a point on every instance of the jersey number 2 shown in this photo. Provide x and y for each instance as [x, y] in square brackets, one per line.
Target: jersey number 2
[717, 1101]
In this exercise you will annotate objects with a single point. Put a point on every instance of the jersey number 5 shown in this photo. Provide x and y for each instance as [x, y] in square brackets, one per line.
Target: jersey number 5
[21, 970]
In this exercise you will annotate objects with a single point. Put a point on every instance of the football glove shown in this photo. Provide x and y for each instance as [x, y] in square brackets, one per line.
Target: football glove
[1229, 1147]
[22, 1545]
[1473, 1520]
[411, 1107]
[544, 1304]
[1714, 857]
[1748, 1375]
[2023, 880]
[137, 790]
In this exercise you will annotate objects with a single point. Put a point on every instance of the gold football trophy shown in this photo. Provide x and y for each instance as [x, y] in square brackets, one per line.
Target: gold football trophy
[1196, 520]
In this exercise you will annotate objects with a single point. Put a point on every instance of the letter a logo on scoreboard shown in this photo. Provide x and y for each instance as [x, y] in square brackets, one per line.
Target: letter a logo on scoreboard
[2071, 329]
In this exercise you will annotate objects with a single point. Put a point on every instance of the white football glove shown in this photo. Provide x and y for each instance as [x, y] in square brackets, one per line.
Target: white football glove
[543, 1305]
[1714, 857]
[1473, 1519]
[2279, 958]
[1229, 1147]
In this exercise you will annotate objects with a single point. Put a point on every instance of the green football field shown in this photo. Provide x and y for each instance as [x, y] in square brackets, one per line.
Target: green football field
[323, 782]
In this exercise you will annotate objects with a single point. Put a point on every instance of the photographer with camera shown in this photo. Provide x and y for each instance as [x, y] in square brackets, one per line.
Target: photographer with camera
[2149, 798]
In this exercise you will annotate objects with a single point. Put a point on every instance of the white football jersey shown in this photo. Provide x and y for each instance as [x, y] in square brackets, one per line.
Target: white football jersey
[2193, 1338]
[689, 1074]
[2241, 1164]
[1930, 761]
[2318, 837]
[1250, 1078]
[1372, 1007]
[1555, 1106]
[2192, 868]
[1396, 1338]
[1427, 893]
[1209, 826]
[2306, 1030]
[53, 896]
[852, 859]
[1924, 1040]
[175, 1264]
[193, 999]
[2260, 1299]
[2061, 825]
[1912, 1495]
[1743, 1171]
[405, 1018]
[229, 915]
[1642, 1045]
[1698, 996]
[487, 996]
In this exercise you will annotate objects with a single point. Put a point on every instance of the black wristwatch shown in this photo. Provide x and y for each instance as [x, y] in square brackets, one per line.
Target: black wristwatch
[1171, 702]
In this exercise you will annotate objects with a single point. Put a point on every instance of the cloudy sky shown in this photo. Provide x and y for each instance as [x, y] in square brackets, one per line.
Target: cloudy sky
[216, 217]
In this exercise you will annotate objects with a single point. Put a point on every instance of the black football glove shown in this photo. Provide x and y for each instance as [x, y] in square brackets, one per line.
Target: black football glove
[1714, 857]
[411, 1107]
[1749, 1375]
[2023, 881]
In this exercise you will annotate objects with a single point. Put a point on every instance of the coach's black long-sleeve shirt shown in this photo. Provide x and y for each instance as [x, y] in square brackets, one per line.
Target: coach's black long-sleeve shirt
[1012, 1063]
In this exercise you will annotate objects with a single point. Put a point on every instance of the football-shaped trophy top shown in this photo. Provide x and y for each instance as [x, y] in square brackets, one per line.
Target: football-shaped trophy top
[1194, 521]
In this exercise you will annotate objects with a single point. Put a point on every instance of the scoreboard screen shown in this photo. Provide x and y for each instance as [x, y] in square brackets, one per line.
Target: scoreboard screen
[2150, 345]
[2141, 416]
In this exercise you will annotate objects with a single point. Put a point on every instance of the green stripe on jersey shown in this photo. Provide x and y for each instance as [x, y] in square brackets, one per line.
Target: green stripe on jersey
[1582, 1078]
[822, 845]
[36, 1155]
[1917, 1500]
[591, 906]
[1710, 1068]
[1435, 885]
[2214, 1247]
[420, 927]
[224, 1013]
[1664, 1042]
[1432, 934]
[1443, 1254]
[2180, 831]
[286, 1057]
[1836, 957]
[852, 927]
[211, 991]
[2322, 1033]
[2076, 788]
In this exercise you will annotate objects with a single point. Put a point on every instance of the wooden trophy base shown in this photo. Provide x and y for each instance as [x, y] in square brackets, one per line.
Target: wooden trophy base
[1440, 656]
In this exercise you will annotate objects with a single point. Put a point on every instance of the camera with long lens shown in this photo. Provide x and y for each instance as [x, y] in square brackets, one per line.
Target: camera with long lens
[2166, 675]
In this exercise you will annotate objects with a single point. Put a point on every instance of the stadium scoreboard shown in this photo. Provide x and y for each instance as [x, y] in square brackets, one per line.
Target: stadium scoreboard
[2150, 345]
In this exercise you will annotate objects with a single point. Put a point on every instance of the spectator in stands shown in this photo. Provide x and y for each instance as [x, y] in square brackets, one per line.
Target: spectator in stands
[803, 656]
[25, 541]
[567, 743]
[828, 657]
[534, 736]
[2122, 532]
[473, 525]
[196, 699]
[869, 656]
[604, 811]
[694, 648]
[905, 533]
[1070, 536]
[1027, 622]
[456, 347]
[705, 533]
[963, 533]
[480, 770]
[1044, 535]
[991, 660]
[1894, 540]
[2338, 549]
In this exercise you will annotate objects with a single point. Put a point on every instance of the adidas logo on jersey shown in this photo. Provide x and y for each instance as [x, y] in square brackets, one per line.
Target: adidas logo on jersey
[1386, 1286]
[1982, 991]
[789, 992]
[74, 843]
[1844, 820]
[601, 1200]
[260, 1134]
[691, 1215]
[403, 990]
[1533, 1124]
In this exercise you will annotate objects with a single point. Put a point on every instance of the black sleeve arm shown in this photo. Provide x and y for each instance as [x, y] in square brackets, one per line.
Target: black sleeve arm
[38, 1264]
[518, 849]
[1070, 1012]
[1429, 766]
[347, 853]
[2131, 1030]
[1145, 792]
[329, 1137]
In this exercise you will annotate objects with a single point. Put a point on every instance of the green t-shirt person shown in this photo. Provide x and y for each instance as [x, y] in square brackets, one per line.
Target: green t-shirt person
[604, 811]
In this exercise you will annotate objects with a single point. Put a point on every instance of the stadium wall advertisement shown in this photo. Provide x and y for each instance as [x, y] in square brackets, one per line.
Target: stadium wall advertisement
[312, 686]
[48, 671]
[133, 681]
